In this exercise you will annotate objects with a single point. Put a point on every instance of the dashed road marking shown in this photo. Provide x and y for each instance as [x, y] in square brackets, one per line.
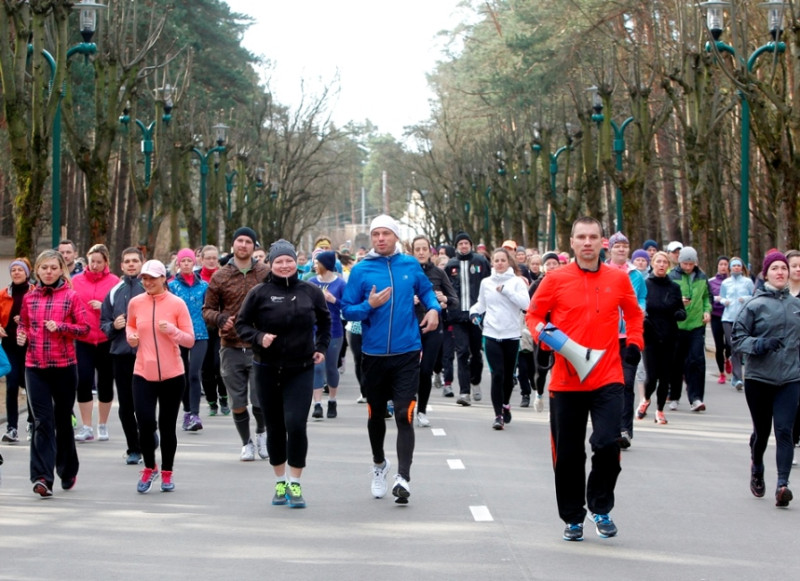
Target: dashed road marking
[438, 432]
[455, 464]
[481, 513]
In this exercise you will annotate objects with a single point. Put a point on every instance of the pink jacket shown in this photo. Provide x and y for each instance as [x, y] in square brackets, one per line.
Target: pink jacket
[94, 286]
[158, 357]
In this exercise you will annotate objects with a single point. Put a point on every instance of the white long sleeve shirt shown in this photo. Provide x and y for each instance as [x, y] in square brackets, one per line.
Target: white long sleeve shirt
[501, 310]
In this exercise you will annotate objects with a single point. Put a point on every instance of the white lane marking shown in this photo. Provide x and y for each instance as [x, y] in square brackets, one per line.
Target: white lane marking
[455, 464]
[481, 513]
[438, 432]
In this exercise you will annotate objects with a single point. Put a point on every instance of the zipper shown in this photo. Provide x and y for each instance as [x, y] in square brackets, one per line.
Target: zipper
[155, 340]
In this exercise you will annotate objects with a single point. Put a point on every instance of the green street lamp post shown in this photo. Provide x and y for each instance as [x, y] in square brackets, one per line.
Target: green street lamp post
[203, 158]
[88, 25]
[618, 146]
[148, 130]
[714, 21]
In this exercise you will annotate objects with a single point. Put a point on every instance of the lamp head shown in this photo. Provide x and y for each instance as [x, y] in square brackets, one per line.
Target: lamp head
[715, 16]
[88, 18]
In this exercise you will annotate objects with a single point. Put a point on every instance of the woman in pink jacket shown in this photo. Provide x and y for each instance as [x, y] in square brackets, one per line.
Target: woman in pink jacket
[92, 287]
[158, 325]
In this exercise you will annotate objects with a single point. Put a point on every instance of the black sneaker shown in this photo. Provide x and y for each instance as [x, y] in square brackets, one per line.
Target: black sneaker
[624, 440]
[757, 486]
[498, 423]
[317, 415]
[573, 532]
[69, 483]
[507, 414]
[43, 488]
[783, 496]
[332, 409]
[604, 526]
[526, 401]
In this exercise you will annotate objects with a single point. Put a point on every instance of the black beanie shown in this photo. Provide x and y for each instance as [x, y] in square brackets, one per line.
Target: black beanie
[463, 236]
[245, 231]
[281, 248]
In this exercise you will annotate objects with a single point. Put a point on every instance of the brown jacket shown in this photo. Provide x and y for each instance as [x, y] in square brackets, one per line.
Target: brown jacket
[225, 295]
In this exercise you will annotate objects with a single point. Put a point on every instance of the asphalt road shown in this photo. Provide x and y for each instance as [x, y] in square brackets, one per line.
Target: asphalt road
[482, 507]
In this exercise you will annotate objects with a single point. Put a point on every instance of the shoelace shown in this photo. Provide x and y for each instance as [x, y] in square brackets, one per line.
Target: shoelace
[295, 490]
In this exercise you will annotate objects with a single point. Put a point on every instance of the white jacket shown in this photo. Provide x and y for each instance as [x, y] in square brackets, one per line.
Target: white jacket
[501, 310]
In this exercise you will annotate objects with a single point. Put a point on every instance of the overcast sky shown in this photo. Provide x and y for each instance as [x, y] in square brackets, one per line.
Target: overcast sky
[381, 51]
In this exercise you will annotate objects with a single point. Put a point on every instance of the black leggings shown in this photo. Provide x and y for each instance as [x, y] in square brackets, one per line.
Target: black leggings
[285, 396]
[431, 348]
[770, 404]
[659, 359]
[722, 349]
[501, 354]
[167, 395]
[93, 358]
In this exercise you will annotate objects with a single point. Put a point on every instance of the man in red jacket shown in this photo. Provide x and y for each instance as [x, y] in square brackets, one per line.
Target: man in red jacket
[583, 299]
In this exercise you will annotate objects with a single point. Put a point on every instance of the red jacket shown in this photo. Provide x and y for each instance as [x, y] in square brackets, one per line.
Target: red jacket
[94, 286]
[586, 306]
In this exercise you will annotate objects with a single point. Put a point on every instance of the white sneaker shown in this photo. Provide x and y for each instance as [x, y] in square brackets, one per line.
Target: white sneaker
[538, 403]
[437, 381]
[85, 434]
[261, 442]
[698, 406]
[401, 490]
[361, 399]
[476, 393]
[423, 421]
[248, 452]
[102, 432]
[379, 486]
[673, 405]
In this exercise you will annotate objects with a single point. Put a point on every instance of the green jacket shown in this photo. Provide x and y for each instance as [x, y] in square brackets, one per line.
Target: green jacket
[695, 287]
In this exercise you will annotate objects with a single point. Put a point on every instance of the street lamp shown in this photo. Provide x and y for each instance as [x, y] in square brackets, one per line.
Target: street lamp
[618, 146]
[88, 24]
[164, 95]
[221, 131]
[715, 23]
[553, 174]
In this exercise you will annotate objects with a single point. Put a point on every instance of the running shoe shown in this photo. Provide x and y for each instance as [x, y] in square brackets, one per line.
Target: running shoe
[379, 474]
[604, 526]
[295, 495]
[261, 445]
[317, 413]
[463, 399]
[498, 423]
[11, 435]
[641, 411]
[213, 409]
[476, 393]
[423, 421]
[722, 379]
[698, 406]
[525, 401]
[624, 440]
[42, 488]
[248, 452]
[738, 384]
[757, 486]
[437, 381]
[148, 475]
[195, 423]
[85, 434]
[102, 432]
[223, 408]
[573, 532]
[447, 390]
[167, 485]
[69, 483]
[660, 418]
[133, 458]
[506, 414]
[728, 366]
[401, 490]
[280, 498]
[361, 399]
[783, 496]
[331, 409]
[389, 409]
[673, 405]
[538, 403]
[187, 418]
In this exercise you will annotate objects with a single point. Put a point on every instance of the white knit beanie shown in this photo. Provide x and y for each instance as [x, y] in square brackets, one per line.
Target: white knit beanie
[384, 221]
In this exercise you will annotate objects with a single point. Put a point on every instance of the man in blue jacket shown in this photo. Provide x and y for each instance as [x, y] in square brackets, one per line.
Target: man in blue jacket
[381, 293]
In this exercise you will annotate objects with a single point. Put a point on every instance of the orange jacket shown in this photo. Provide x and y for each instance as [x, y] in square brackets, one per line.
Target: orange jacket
[586, 306]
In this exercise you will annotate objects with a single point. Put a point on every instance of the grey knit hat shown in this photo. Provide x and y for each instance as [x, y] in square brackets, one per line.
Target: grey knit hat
[281, 248]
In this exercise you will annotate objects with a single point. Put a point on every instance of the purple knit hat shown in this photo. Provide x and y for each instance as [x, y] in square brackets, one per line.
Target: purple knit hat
[640, 253]
[770, 258]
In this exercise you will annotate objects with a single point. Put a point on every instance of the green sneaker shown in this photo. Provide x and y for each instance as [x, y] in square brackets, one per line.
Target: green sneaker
[213, 408]
[280, 497]
[295, 496]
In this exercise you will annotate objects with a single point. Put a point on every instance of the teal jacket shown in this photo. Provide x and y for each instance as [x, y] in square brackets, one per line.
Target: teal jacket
[694, 286]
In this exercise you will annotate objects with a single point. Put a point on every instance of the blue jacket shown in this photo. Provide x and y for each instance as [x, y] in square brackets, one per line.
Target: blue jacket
[391, 328]
[194, 296]
[5, 364]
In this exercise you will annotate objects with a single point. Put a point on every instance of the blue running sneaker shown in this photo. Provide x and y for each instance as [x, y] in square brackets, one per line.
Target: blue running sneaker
[573, 532]
[604, 526]
[146, 481]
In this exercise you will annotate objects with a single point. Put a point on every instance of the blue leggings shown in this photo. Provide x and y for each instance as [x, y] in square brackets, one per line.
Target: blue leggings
[327, 372]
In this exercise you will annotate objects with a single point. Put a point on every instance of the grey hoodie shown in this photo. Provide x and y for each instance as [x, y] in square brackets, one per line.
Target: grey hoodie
[770, 313]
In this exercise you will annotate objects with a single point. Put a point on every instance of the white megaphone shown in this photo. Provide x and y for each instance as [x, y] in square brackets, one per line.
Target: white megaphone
[583, 359]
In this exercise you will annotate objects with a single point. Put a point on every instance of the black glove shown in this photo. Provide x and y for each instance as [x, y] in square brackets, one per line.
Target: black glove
[632, 355]
[764, 345]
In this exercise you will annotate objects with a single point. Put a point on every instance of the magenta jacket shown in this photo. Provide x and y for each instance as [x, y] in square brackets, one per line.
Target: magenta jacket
[94, 286]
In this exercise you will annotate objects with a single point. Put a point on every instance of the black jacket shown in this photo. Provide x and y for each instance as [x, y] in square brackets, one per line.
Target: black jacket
[664, 310]
[114, 305]
[440, 282]
[290, 309]
[466, 271]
